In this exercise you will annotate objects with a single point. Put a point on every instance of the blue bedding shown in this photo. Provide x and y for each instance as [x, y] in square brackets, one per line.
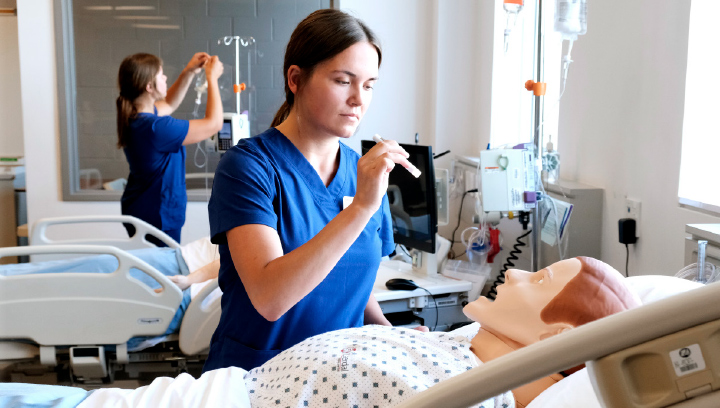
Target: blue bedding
[167, 261]
[40, 396]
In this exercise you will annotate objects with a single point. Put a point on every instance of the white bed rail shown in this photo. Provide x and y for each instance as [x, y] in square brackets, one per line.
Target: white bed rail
[38, 236]
[84, 308]
[200, 320]
[586, 343]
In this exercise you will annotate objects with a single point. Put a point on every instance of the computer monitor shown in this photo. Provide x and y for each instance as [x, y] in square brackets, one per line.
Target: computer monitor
[413, 204]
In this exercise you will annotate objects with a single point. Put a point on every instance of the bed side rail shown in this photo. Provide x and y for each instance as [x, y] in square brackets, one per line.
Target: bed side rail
[39, 236]
[200, 320]
[84, 308]
[588, 342]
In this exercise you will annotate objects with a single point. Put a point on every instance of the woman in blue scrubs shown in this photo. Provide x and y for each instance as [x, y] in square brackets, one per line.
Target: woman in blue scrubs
[154, 142]
[301, 220]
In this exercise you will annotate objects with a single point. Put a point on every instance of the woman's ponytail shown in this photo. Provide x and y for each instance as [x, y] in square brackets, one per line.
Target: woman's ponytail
[125, 111]
[281, 114]
[136, 71]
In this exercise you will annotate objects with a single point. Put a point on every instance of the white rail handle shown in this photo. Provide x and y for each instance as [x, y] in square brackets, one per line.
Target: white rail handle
[39, 231]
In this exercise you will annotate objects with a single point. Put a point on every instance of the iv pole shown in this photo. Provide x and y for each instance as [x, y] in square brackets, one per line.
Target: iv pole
[535, 260]
[238, 86]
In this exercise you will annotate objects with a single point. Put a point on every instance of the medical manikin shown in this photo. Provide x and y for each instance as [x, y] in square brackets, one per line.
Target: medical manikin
[380, 365]
[533, 306]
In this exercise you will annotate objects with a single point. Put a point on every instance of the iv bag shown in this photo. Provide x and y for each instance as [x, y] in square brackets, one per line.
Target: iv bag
[512, 6]
[571, 18]
[512, 9]
[225, 86]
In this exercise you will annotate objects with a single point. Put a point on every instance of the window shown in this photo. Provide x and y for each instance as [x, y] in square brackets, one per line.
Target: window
[92, 38]
[513, 106]
[700, 142]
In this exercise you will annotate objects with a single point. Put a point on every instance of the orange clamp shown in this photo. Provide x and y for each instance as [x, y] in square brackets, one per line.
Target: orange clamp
[520, 2]
[239, 87]
[538, 88]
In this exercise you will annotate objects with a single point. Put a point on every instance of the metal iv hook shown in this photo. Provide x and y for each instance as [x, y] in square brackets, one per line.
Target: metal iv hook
[244, 41]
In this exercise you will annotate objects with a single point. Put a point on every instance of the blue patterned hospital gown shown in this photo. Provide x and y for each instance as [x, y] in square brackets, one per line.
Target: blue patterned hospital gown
[370, 366]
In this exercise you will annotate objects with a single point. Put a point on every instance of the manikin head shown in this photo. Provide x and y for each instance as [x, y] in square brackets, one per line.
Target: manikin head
[533, 306]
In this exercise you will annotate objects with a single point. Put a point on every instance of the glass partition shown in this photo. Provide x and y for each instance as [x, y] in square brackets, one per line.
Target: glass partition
[93, 38]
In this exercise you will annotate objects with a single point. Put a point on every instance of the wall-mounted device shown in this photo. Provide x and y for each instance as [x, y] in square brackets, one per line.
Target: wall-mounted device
[508, 179]
[235, 127]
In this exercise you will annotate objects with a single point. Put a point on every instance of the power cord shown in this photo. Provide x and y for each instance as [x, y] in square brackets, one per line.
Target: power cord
[517, 250]
[437, 316]
[462, 201]
[627, 259]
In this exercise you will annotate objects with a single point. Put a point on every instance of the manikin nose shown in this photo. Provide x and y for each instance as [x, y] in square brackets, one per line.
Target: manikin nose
[515, 275]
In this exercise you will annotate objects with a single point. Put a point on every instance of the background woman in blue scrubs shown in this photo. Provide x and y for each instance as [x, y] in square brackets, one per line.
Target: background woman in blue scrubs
[154, 142]
[297, 257]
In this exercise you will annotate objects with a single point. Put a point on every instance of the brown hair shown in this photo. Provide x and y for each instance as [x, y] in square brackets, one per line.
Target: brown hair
[595, 292]
[136, 71]
[319, 37]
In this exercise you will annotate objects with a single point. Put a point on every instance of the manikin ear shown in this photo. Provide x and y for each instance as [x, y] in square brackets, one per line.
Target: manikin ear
[293, 76]
[554, 329]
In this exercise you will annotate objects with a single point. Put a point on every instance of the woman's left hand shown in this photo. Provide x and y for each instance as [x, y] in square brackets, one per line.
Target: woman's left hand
[423, 329]
[197, 62]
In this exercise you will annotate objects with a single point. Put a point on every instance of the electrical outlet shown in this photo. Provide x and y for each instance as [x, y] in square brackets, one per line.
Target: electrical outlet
[632, 210]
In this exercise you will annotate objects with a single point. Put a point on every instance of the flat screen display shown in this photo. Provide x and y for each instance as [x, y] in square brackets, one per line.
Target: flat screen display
[413, 204]
[226, 131]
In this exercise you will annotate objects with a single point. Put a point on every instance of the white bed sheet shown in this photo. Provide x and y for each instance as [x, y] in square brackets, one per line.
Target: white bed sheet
[217, 388]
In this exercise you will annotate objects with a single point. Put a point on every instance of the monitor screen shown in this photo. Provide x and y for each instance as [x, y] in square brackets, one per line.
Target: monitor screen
[226, 131]
[413, 204]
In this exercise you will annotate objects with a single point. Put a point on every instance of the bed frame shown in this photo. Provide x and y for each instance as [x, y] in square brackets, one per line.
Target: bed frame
[626, 354]
[78, 309]
[38, 236]
[96, 310]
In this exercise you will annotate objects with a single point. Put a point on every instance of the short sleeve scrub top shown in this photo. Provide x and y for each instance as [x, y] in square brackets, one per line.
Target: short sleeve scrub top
[155, 192]
[266, 180]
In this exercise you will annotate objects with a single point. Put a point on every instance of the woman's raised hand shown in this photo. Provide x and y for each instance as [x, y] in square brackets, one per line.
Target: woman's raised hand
[213, 68]
[373, 170]
[197, 62]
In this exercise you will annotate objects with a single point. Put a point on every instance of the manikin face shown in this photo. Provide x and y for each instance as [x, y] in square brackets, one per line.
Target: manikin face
[515, 313]
[159, 91]
[335, 98]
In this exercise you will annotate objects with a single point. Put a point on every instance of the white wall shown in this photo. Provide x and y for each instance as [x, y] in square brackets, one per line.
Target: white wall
[621, 125]
[11, 129]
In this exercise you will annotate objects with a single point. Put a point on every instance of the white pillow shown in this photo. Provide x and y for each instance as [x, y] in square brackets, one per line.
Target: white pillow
[199, 253]
[655, 287]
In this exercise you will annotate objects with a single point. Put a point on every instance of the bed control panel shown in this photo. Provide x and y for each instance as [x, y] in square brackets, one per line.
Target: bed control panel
[662, 372]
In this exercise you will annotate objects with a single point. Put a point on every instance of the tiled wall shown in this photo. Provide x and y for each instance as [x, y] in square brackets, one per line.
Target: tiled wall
[108, 31]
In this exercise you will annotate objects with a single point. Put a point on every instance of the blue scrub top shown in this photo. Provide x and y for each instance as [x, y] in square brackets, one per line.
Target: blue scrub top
[266, 180]
[155, 191]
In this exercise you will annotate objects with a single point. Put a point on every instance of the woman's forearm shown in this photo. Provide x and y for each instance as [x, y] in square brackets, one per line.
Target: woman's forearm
[374, 314]
[276, 286]
[214, 109]
[176, 92]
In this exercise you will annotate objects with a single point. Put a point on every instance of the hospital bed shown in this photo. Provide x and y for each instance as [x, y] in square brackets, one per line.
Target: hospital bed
[83, 321]
[676, 314]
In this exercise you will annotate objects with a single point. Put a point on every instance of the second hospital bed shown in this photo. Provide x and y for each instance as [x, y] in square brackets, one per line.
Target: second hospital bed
[81, 320]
